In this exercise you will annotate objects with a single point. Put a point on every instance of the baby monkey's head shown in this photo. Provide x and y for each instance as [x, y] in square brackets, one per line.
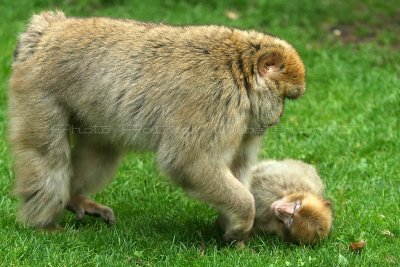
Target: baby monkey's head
[305, 218]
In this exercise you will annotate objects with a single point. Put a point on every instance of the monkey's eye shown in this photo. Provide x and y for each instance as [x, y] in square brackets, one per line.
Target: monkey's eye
[296, 206]
[290, 222]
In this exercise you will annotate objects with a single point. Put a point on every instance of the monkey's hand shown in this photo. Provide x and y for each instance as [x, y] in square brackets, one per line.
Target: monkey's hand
[236, 240]
[81, 205]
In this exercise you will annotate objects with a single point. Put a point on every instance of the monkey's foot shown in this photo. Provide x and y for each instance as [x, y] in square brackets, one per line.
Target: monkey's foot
[81, 205]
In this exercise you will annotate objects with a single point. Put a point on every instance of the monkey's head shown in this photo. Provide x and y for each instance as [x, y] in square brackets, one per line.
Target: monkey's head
[305, 218]
[279, 75]
[281, 68]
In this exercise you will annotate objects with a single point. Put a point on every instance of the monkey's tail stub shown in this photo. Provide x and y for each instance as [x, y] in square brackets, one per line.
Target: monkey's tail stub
[28, 41]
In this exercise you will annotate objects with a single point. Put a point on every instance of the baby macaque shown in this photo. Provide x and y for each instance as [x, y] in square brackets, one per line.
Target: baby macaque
[289, 201]
[200, 97]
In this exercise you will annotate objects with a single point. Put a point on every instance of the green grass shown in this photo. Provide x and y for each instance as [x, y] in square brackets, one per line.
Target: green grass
[347, 124]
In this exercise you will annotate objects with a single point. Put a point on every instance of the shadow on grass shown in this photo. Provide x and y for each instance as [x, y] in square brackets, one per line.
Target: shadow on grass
[159, 229]
[147, 229]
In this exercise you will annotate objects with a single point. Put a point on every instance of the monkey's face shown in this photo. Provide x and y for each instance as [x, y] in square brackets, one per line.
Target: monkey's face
[305, 218]
[283, 71]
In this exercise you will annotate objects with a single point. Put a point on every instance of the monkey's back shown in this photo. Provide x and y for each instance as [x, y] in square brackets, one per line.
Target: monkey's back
[129, 71]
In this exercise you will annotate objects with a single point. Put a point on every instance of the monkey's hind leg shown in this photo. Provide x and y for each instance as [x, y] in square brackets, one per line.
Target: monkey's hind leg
[94, 164]
[39, 140]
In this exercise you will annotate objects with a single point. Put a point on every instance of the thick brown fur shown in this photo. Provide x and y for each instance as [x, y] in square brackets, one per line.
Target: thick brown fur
[199, 96]
[289, 181]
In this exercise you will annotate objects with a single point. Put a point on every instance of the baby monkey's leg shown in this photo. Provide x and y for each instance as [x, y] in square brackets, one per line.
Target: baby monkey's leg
[94, 164]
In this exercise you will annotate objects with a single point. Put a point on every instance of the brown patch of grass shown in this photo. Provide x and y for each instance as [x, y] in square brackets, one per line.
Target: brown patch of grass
[382, 29]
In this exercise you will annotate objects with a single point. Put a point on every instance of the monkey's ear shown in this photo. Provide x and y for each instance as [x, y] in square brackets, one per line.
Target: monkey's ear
[270, 64]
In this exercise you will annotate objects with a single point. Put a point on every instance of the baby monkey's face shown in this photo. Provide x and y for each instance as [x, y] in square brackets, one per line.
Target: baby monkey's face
[285, 210]
[306, 218]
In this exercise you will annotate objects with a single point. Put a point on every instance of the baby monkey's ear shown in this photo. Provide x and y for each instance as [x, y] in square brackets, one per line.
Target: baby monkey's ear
[327, 203]
[270, 64]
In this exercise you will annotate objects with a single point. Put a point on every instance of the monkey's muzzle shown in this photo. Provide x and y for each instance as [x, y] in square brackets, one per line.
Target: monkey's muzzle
[295, 92]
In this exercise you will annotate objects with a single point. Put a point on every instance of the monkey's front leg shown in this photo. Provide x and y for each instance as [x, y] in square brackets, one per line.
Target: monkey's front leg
[245, 157]
[231, 198]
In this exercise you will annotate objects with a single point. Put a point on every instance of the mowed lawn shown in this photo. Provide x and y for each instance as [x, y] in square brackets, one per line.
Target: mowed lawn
[347, 124]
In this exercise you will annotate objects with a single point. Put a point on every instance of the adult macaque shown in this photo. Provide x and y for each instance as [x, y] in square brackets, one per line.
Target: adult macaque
[199, 96]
